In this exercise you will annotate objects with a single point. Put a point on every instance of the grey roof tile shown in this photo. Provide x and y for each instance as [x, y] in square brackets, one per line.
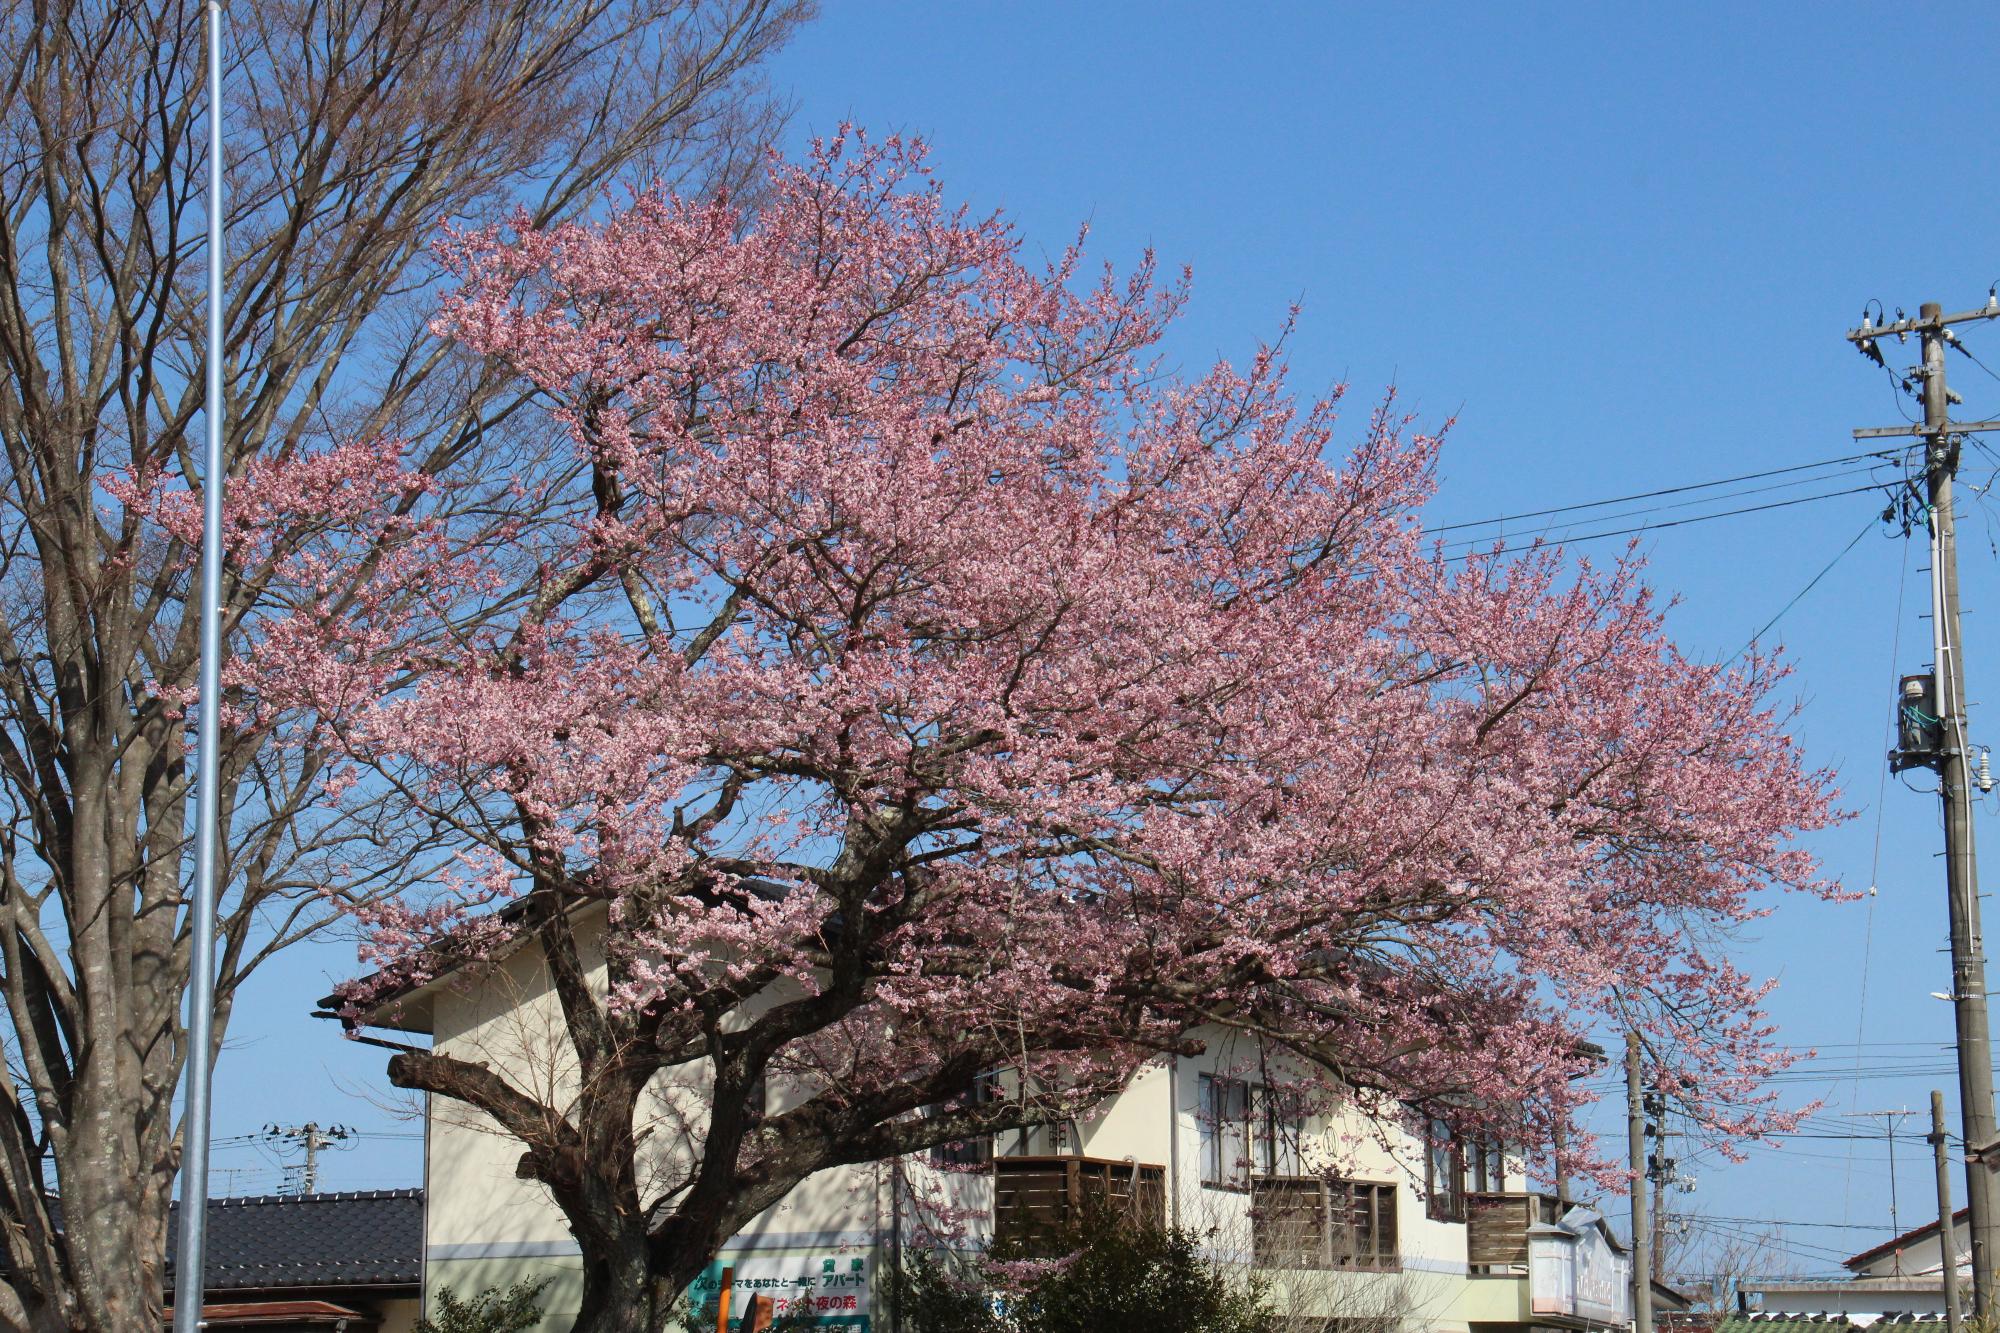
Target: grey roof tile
[362, 1238]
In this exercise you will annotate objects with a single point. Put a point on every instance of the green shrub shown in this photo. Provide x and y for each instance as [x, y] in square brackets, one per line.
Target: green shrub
[491, 1311]
[941, 1292]
[1119, 1278]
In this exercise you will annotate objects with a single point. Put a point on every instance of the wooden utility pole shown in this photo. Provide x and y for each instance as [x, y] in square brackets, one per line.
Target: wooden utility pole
[1947, 1241]
[1642, 1240]
[1950, 755]
[1659, 1245]
[315, 1140]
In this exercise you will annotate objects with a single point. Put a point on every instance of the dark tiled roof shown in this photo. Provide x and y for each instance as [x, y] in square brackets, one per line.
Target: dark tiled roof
[365, 1238]
[1820, 1323]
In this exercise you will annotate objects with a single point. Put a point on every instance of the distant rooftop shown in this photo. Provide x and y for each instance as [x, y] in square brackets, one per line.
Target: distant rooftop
[1914, 1236]
[361, 1238]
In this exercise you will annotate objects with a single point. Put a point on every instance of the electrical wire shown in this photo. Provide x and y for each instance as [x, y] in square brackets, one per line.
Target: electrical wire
[1874, 878]
[1798, 1248]
[1682, 522]
[1971, 356]
[1826, 569]
[1669, 490]
[1796, 1222]
[1460, 543]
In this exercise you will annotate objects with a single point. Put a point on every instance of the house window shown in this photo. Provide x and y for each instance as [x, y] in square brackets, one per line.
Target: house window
[1247, 1130]
[1488, 1168]
[1225, 1125]
[977, 1150]
[1444, 1174]
[1363, 1227]
[1315, 1223]
[1276, 1127]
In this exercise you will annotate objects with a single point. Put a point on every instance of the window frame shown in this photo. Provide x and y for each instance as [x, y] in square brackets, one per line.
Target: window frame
[1258, 1131]
[976, 1151]
[1386, 1249]
[1220, 1125]
[1278, 1130]
[1488, 1168]
[1444, 1200]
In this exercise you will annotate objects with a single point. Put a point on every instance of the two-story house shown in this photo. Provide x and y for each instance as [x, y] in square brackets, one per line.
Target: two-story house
[1353, 1223]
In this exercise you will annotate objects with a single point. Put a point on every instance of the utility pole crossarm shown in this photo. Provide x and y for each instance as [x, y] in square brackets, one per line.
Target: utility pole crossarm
[1923, 323]
[1925, 428]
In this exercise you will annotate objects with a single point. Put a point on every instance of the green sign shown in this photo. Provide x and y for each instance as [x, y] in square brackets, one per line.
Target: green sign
[821, 1289]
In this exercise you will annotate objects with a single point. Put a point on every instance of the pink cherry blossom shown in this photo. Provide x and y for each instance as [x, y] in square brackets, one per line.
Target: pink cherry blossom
[908, 642]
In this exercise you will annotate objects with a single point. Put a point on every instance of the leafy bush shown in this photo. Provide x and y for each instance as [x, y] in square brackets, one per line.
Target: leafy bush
[939, 1292]
[491, 1311]
[1118, 1278]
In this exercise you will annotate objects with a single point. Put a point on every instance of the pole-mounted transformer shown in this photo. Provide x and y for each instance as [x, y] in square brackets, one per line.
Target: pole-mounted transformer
[1919, 728]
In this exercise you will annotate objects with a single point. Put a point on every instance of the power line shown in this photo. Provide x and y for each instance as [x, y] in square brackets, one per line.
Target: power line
[1681, 522]
[1798, 1222]
[1874, 874]
[1817, 478]
[1967, 352]
[1800, 1248]
[1800, 594]
[314, 1140]
[1880, 454]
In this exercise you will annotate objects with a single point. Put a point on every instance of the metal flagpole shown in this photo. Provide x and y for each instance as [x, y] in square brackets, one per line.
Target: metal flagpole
[190, 1254]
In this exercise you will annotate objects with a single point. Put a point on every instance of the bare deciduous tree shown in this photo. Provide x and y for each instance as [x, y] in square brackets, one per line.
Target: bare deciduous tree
[356, 127]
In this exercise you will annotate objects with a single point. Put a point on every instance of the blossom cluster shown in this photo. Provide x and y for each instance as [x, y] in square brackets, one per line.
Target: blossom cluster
[899, 613]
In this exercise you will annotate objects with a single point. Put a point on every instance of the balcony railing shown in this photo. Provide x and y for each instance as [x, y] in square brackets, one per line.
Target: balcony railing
[1496, 1225]
[1315, 1222]
[1036, 1200]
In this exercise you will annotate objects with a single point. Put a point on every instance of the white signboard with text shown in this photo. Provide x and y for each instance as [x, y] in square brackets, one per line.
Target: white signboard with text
[1575, 1270]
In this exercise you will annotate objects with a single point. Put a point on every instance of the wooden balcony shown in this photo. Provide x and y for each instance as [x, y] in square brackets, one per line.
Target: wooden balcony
[1323, 1222]
[1496, 1225]
[1036, 1200]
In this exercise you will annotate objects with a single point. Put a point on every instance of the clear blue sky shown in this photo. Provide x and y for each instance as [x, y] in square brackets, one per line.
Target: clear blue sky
[1622, 247]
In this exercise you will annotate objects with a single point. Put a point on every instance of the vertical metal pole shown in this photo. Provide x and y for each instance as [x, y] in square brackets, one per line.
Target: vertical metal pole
[1968, 961]
[1895, 1210]
[1642, 1240]
[1947, 1240]
[191, 1252]
[1174, 1137]
[896, 1245]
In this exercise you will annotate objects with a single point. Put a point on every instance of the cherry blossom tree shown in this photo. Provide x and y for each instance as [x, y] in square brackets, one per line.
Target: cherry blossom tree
[921, 681]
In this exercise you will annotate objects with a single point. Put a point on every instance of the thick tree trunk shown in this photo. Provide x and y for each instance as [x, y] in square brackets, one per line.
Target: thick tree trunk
[619, 1296]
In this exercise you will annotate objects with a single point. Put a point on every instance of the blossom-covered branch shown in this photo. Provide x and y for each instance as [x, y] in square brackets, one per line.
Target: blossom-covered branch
[923, 682]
